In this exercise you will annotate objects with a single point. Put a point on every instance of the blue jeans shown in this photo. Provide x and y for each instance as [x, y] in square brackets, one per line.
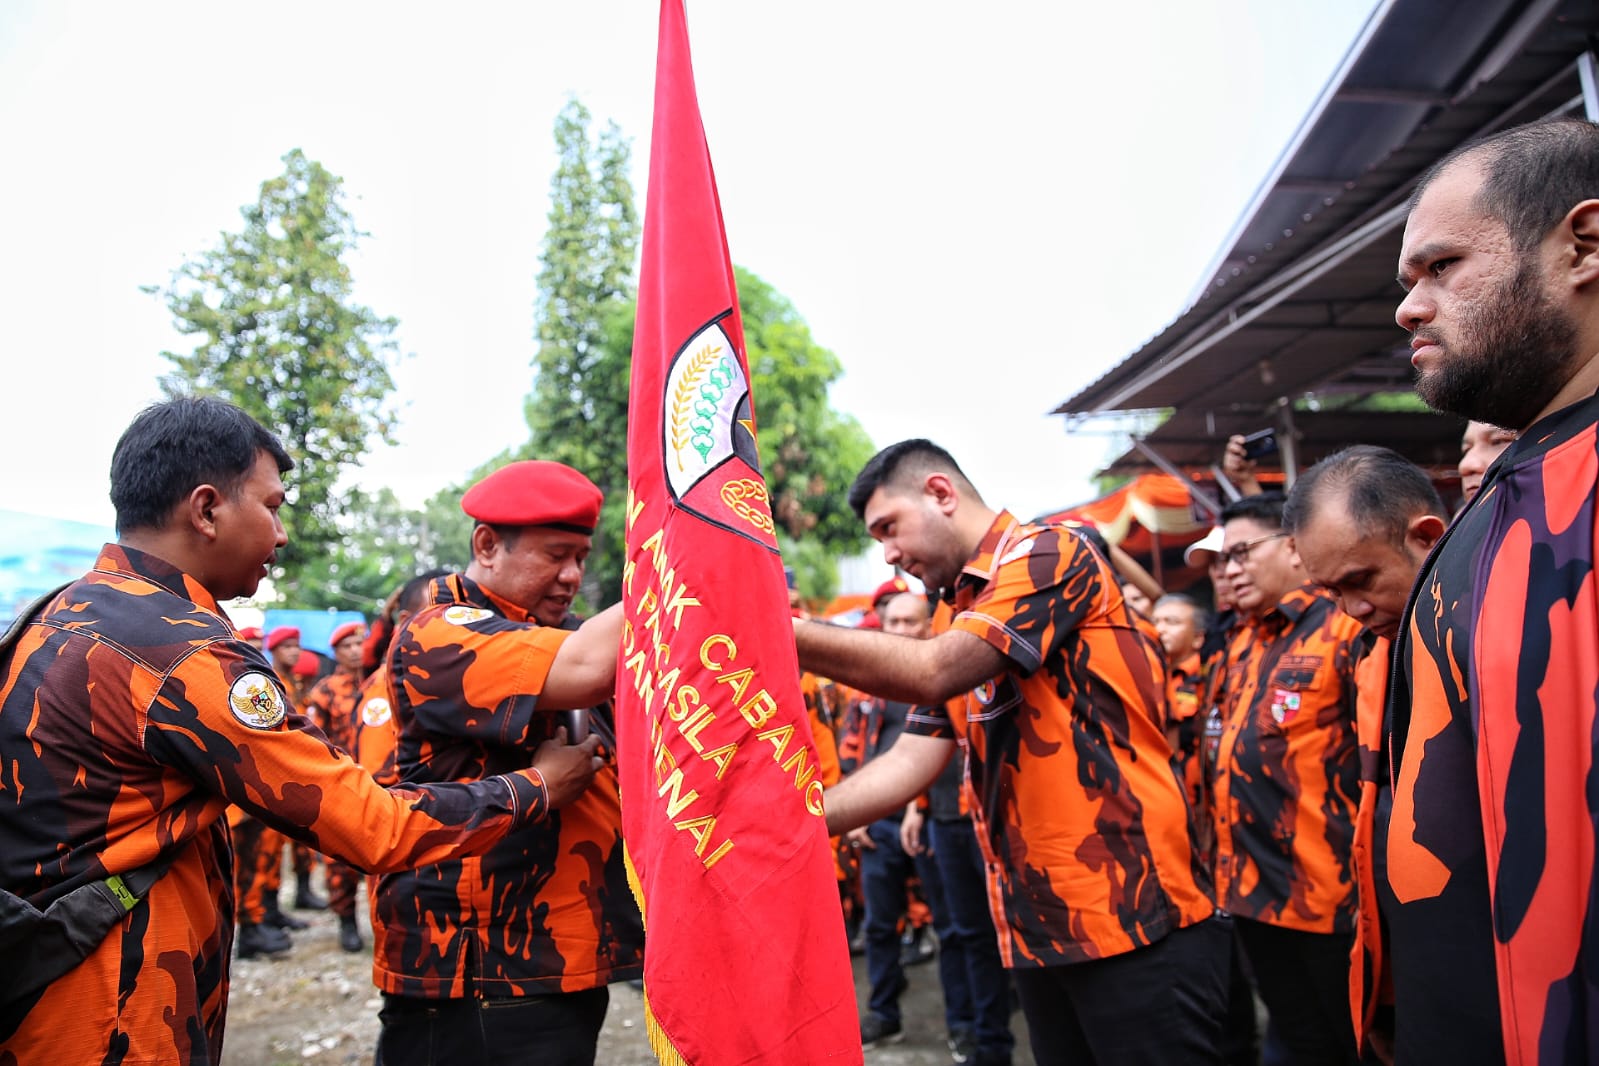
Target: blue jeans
[971, 934]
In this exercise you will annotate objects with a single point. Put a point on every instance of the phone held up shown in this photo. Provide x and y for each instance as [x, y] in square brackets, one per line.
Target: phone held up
[1261, 444]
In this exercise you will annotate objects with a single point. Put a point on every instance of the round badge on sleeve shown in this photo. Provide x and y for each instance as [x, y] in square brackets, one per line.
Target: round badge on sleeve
[375, 711]
[256, 702]
[462, 616]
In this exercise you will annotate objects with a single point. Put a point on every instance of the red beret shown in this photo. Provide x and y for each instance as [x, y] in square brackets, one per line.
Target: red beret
[280, 634]
[305, 665]
[535, 492]
[347, 630]
[892, 587]
[249, 633]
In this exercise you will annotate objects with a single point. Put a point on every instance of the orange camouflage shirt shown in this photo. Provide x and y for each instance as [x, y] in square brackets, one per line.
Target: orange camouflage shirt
[374, 728]
[1082, 822]
[331, 705]
[548, 909]
[130, 717]
[1287, 778]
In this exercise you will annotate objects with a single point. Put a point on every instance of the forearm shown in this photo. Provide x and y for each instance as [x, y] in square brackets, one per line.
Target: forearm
[895, 667]
[883, 786]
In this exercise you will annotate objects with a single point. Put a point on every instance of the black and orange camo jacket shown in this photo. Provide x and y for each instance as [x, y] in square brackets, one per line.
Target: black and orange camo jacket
[1082, 821]
[130, 717]
[1288, 772]
[549, 908]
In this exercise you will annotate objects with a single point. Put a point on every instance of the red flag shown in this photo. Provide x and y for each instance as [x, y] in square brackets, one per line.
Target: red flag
[721, 793]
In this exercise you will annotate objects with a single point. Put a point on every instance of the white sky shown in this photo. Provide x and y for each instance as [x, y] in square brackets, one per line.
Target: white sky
[979, 207]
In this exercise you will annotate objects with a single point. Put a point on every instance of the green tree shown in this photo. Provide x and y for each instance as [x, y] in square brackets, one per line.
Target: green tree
[583, 322]
[279, 335]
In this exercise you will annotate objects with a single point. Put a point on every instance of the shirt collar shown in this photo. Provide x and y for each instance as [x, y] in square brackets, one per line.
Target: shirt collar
[984, 563]
[122, 561]
[1293, 606]
[458, 588]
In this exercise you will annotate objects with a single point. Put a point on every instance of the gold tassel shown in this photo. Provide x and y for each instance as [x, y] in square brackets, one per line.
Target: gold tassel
[660, 1043]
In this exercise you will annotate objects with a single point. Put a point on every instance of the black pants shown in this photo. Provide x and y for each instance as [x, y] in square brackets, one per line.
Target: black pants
[560, 1029]
[1156, 1005]
[1303, 979]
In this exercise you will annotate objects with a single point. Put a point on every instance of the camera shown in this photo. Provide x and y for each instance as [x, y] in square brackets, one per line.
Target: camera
[1259, 445]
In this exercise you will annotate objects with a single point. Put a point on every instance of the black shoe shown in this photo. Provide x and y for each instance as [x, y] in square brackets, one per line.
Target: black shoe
[275, 916]
[349, 935]
[262, 940]
[304, 898]
[878, 1032]
[962, 1045]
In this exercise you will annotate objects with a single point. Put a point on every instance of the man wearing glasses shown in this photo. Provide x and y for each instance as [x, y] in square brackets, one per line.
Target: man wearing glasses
[1286, 785]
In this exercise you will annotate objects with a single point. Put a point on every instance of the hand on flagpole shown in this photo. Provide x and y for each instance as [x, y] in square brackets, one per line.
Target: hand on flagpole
[566, 768]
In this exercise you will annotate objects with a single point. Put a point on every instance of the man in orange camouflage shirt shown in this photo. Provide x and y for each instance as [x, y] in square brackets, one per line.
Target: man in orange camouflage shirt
[331, 705]
[1286, 784]
[131, 716]
[505, 957]
[1106, 920]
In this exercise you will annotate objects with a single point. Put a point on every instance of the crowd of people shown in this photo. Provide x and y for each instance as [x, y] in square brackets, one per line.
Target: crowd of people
[1348, 782]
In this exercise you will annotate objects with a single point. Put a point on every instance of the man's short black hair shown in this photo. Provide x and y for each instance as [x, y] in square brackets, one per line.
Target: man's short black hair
[898, 461]
[1532, 175]
[415, 590]
[174, 447]
[1264, 507]
[1381, 489]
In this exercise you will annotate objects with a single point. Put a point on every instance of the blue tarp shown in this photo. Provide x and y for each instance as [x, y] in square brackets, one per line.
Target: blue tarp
[315, 626]
[39, 553]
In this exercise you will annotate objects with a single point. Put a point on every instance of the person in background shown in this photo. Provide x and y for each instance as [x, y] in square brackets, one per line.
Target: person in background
[1480, 445]
[331, 706]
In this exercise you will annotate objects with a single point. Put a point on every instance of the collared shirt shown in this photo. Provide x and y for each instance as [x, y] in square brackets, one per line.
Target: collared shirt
[130, 716]
[1185, 725]
[1370, 983]
[374, 728]
[1492, 738]
[1287, 775]
[549, 908]
[331, 705]
[1082, 822]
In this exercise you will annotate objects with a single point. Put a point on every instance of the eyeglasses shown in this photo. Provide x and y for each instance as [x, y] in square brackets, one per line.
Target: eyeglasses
[1239, 553]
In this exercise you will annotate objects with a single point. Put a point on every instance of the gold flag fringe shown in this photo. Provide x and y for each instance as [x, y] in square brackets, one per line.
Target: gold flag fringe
[660, 1043]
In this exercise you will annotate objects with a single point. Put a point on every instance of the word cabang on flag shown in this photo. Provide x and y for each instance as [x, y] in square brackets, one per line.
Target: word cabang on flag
[721, 793]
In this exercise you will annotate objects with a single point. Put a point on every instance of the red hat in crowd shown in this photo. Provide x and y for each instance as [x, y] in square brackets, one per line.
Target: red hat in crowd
[892, 587]
[250, 633]
[346, 631]
[305, 665]
[535, 492]
[280, 634]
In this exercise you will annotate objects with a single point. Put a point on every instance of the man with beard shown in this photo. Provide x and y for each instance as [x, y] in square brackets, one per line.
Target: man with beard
[1114, 957]
[1490, 845]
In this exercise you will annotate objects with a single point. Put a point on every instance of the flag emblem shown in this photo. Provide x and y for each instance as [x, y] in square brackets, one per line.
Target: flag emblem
[708, 437]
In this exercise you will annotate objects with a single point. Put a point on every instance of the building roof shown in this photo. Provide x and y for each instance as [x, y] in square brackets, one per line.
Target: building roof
[1302, 297]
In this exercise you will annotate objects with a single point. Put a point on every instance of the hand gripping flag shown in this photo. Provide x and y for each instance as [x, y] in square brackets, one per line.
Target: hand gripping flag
[721, 793]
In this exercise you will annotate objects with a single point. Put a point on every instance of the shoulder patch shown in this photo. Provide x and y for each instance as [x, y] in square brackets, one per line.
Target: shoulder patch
[461, 615]
[255, 701]
[375, 711]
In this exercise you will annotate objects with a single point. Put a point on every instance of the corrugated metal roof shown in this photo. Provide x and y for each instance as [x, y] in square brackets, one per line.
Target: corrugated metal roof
[1302, 298]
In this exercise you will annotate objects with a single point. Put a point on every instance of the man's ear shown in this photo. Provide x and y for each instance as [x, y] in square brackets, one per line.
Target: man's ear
[1581, 232]
[941, 490]
[200, 510]
[484, 543]
[1424, 531]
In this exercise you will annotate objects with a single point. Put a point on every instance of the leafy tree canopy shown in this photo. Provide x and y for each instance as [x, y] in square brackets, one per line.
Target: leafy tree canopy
[278, 334]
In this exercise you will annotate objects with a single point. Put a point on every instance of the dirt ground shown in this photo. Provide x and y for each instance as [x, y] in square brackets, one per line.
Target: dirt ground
[316, 1005]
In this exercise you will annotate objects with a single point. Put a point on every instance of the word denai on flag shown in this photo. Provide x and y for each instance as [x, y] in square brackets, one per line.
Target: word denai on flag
[721, 793]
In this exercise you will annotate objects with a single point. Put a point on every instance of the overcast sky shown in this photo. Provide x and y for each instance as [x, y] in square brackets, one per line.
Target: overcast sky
[979, 207]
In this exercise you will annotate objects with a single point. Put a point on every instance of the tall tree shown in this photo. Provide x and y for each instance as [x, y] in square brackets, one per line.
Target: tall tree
[583, 323]
[279, 335]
